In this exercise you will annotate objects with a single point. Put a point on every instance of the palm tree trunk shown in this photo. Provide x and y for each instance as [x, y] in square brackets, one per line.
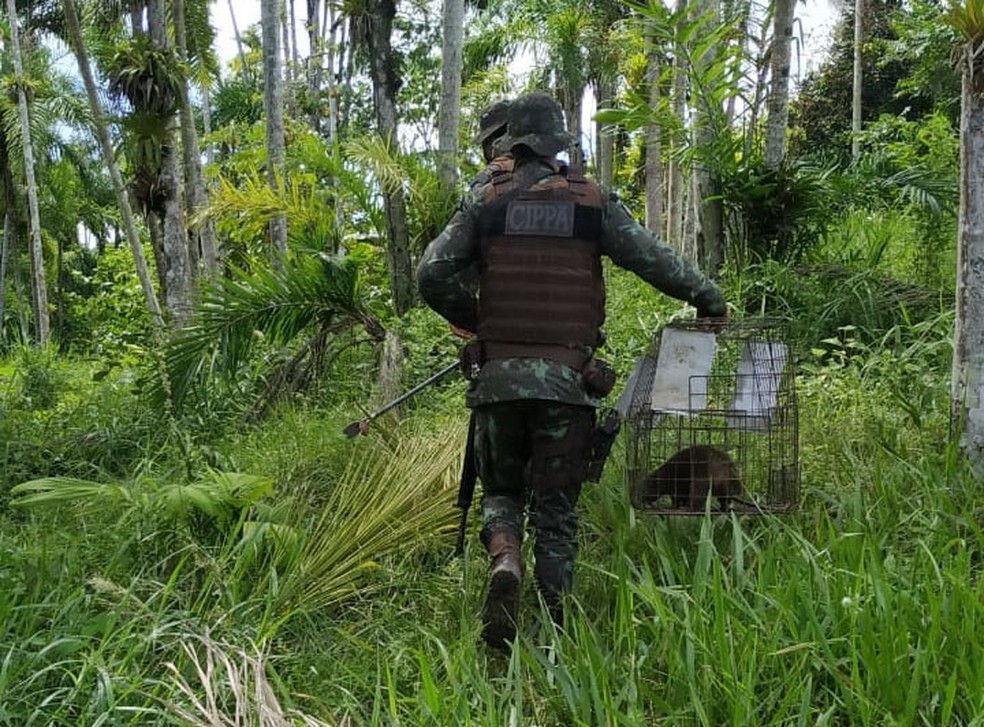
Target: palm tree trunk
[572, 100]
[856, 89]
[21, 305]
[239, 41]
[201, 236]
[287, 58]
[385, 84]
[677, 183]
[653, 150]
[453, 38]
[178, 293]
[37, 258]
[967, 381]
[330, 60]
[316, 42]
[778, 103]
[273, 110]
[4, 250]
[710, 237]
[604, 139]
[155, 232]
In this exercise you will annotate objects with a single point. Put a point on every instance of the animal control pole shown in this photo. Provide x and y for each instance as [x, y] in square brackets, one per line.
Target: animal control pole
[359, 427]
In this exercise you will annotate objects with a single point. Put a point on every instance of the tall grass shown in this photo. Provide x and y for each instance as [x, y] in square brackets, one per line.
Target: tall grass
[337, 598]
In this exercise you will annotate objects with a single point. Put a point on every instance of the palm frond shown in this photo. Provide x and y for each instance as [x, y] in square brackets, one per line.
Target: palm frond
[249, 204]
[385, 503]
[270, 304]
[61, 490]
[375, 154]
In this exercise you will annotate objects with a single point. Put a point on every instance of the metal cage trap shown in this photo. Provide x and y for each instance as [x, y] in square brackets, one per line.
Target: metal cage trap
[711, 420]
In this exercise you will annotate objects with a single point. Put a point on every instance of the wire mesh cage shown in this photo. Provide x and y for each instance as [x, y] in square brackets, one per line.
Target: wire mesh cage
[711, 420]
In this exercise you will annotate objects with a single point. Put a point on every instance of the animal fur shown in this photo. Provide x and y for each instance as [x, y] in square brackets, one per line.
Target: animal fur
[692, 474]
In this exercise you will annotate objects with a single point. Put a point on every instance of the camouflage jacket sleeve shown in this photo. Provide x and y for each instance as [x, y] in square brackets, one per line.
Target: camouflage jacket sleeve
[447, 276]
[633, 247]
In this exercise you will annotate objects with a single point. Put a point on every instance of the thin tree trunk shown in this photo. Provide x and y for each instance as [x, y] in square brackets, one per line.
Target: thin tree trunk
[155, 232]
[674, 224]
[201, 233]
[4, 250]
[333, 111]
[856, 94]
[752, 130]
[653, 150]
[136, 20]
[742, 52]
[710, 235]
[59, 320]
[338, 221]
[21, 305]
[316, 42]
[385, 84]
[967, 381]
[391, 369]
[273, 110]
[286, 16]
[37, 256]
[239, 41]
[604, 139]
[453, 38]
[293, 40]
[572, 102]
[207, 125]
[778, 103]
[175, 234]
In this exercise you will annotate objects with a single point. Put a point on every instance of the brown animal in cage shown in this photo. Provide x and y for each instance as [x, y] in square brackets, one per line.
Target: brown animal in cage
[692, 474]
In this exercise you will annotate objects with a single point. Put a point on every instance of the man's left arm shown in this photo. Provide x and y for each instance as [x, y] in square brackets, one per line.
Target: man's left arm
[633, 247]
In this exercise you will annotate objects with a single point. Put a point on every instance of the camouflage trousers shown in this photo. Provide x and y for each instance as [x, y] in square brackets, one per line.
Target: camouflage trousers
[533, 455]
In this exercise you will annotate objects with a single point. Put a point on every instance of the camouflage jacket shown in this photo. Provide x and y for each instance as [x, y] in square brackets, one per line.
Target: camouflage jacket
[448, 277]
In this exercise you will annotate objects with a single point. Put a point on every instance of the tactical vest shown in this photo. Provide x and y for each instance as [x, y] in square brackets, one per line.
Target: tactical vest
[542, 293]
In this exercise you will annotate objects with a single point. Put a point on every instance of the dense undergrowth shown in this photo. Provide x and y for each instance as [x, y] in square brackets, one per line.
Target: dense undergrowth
[206, 571]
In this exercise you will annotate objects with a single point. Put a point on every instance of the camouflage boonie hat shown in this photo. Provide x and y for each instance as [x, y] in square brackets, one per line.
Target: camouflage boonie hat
[493, 121]
[536, 121]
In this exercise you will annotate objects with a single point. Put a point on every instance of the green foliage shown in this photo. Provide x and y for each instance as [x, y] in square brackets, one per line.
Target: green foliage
[218, 495]
[146, 76]
[821, 113]
[63, 416]
[106, 309]
[320, 294]
[819, 301]
[41, 377]
[967, 18]
[783, 213]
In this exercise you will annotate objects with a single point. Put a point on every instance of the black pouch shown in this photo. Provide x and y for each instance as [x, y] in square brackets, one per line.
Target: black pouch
[598, 377]
[471, 359]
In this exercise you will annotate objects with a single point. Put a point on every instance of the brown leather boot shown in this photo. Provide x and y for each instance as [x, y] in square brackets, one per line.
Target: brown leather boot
[505, 579]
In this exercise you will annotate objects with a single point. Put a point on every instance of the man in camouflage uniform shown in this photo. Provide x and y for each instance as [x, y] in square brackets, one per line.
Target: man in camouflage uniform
[519, 264]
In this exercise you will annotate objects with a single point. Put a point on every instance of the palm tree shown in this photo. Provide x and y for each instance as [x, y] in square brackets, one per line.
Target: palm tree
[967, 384]
[453, 36]
[382, 69]
[37, 257]
[109, 159]
[778, 104]
[273, 111]
[856, 88]
[175, 235]
[201, 243]
[142, 69]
